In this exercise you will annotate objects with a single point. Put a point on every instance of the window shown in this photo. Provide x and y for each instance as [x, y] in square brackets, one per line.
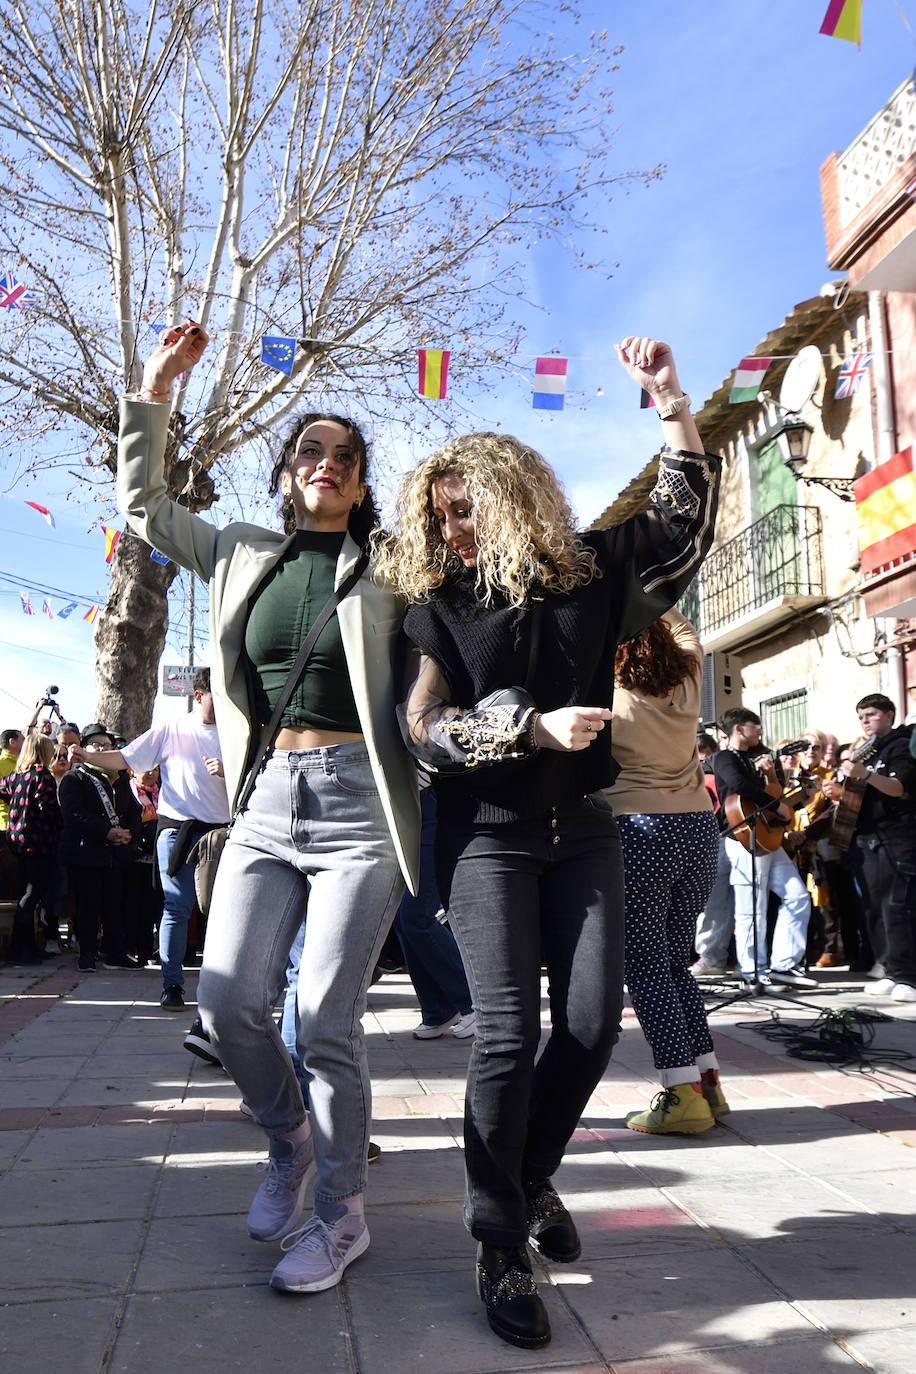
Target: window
[784, 717]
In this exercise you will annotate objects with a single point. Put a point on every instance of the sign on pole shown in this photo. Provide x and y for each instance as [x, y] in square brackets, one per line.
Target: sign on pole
[177, 679]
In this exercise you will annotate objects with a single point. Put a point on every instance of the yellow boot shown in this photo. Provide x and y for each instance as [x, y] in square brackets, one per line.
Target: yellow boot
[713, 1093]
[681, 1110]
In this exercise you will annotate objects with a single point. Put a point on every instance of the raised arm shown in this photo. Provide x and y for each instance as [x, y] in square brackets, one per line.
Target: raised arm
[658, 552]
[142, 493]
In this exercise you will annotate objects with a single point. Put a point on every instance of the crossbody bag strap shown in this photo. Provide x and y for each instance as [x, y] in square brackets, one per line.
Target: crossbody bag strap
[289, 686]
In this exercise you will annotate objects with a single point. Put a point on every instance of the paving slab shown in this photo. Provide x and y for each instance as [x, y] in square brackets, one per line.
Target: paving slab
[432, 1322]
[200, 1331]
[668, 1302]
[66, 1193]
[48, 1335]
[73, 1260]
[850, 1283]
[783, 1241]
[799, 1205]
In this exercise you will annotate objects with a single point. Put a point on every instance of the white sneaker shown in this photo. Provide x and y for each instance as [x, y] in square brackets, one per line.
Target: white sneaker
[794, 977]
[425, 1032]
[762, 979]
[884, 988]
[319, 1252]
[464, 1027]
[704, 969]
[904, 992]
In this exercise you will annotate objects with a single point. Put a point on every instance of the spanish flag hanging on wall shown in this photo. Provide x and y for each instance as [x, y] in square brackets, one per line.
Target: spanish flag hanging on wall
[433, 372]
[886, 511]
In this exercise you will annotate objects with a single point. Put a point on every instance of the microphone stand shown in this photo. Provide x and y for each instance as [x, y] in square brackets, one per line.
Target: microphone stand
[752, 986]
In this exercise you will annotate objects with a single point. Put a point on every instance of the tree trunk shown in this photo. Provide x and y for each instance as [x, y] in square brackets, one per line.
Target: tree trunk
[130, 636]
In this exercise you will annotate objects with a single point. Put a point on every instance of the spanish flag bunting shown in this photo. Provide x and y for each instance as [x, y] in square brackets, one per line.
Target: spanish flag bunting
[843, 20]
[886, 511]
[111, 538]
[433, 372]
[91, 614]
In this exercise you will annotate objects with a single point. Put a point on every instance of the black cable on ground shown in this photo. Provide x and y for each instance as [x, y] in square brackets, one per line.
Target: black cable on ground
[842, 1038]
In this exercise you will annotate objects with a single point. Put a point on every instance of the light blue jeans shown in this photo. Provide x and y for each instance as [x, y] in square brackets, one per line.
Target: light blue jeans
[178, 898]
[716, 921]
[312, 845]
[775, 873]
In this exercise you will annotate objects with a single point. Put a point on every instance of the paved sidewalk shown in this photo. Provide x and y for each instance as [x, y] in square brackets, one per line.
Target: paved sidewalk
[784, 1240]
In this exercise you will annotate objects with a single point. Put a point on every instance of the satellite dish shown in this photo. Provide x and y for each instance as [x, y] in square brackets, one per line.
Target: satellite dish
[802, 376]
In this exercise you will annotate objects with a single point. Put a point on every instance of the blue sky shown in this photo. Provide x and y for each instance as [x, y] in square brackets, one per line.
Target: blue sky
[742, 102]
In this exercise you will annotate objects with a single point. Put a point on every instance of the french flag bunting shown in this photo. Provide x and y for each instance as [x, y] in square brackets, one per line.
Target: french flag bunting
[46, 607]
[42, 511]
[549, 384]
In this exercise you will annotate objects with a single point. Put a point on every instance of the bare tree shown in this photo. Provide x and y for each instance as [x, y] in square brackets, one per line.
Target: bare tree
[361, 175]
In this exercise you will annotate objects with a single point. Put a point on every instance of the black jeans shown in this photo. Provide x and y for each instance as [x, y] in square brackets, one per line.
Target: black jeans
[549, 889]
[884, 867]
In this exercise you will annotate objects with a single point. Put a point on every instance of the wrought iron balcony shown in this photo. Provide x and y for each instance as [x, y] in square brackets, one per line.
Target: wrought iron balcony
[767, 573]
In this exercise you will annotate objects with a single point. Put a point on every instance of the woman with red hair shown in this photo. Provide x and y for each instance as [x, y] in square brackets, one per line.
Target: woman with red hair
[670, 843]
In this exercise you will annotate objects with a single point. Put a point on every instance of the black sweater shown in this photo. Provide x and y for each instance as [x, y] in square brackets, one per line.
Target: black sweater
[645, 565]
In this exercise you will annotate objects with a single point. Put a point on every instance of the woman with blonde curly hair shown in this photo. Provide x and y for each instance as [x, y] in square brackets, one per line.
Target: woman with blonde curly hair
[510, 642]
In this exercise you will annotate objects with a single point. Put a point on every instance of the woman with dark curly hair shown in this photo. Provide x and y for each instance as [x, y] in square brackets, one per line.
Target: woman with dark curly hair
[331, 828]
[510, 644]
[670, 845]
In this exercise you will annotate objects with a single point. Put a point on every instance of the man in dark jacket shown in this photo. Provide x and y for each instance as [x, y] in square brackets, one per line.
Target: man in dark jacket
[882, 855]
[100, 835]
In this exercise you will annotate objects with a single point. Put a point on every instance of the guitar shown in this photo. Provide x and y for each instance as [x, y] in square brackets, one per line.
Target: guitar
[848, 807]
[768, 829]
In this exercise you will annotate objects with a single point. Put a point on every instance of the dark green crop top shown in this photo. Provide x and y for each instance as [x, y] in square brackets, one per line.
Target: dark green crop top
[281, 614]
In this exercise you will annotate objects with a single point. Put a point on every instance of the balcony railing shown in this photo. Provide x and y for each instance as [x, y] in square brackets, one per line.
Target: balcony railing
[776, 561]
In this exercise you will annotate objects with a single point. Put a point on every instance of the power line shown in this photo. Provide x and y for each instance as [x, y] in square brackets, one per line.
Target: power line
[46, 653]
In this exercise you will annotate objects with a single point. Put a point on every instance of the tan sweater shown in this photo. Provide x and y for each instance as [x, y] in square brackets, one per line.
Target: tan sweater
[655, 742]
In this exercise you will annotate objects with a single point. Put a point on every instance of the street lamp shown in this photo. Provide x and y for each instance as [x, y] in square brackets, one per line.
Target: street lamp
[793, 435]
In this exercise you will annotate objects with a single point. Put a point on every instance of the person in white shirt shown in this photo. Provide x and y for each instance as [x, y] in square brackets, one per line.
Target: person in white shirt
[192, 800]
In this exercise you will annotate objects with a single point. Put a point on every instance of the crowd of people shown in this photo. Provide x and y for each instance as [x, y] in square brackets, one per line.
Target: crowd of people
[817, 865]
[466, 662]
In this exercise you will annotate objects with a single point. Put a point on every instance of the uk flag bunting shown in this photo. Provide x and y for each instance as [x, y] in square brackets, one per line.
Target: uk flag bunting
[13, 295]
[26, 604]
[850, 375]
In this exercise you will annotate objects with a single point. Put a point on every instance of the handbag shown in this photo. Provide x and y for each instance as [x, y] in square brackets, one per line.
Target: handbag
[206, 853]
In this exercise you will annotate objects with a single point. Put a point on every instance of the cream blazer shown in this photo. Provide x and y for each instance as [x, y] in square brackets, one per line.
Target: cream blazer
[234, 561]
